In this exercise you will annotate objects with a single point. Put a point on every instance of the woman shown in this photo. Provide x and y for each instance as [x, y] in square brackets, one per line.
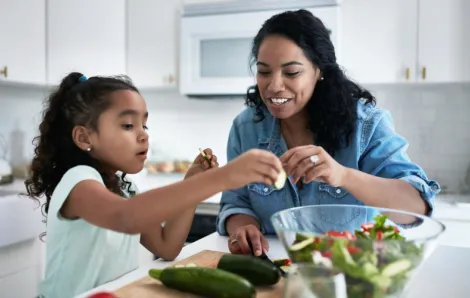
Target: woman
[336, 146]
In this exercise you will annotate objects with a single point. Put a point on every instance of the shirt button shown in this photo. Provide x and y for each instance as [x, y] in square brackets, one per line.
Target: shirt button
[265, 189]
[338, 191]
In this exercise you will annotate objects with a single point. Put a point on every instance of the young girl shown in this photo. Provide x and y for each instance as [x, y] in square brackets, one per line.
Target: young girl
[92, 129]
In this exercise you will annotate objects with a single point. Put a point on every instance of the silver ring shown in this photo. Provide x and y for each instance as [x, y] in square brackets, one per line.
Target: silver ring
[314, 159]
[233, 241]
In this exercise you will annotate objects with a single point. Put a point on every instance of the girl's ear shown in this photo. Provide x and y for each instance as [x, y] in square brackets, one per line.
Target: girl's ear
[81, 137]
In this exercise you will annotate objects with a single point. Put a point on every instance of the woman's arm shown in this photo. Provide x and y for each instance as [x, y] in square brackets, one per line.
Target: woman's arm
[385, 193]
[386, 177]
[239, 220]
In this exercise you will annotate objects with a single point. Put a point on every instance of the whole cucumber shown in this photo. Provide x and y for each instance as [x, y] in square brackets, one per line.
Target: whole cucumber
[255, 270]
[206, 282]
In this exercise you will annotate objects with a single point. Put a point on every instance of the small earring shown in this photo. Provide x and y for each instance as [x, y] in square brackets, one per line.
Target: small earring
[88, 149]
[321, 79]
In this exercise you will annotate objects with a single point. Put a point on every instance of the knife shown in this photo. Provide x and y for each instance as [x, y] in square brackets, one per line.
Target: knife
[264, 257]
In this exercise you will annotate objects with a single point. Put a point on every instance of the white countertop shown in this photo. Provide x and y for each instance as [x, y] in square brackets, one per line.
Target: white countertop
[444, 273]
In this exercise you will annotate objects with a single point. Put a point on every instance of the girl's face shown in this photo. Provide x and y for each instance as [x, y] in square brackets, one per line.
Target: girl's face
[285, 77]
[121, 140]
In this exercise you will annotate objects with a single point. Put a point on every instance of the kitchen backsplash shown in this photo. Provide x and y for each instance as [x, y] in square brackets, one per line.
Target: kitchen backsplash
[434, 119]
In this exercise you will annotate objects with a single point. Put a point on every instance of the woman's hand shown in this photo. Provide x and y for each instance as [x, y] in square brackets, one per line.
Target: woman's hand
[200, 164]
[314, 164]
[238, 243]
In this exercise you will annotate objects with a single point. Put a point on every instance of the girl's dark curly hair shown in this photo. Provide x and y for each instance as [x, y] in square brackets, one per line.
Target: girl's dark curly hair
[74, 102]
[332, 109]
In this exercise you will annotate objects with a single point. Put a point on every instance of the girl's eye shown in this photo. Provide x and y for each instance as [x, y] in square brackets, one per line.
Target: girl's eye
[146, 127]
[127, 126]
[263, 73]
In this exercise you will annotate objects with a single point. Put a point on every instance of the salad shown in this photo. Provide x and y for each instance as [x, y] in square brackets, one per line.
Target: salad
[376, 260]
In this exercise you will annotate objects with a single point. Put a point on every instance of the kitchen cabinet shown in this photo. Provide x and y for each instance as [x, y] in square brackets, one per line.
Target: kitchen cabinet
[152, 42]
[86, 36]
[405, 41]
[378, 40]
[23, 41]
[444, 40]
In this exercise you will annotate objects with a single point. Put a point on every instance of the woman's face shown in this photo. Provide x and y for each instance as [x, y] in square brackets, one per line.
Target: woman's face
[285, 77]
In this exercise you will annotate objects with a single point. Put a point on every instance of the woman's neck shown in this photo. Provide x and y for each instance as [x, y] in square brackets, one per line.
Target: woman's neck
[295, 131]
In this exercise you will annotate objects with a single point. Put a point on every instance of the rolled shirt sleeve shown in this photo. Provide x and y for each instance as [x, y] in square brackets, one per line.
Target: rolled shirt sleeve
[384, 155]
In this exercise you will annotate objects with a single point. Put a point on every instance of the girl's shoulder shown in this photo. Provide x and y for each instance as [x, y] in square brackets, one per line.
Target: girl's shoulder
[68, 181]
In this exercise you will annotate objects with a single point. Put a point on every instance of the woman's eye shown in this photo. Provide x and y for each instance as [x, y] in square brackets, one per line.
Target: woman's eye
[146, 127]
[263, 73]
[292, 74]
[127, 126]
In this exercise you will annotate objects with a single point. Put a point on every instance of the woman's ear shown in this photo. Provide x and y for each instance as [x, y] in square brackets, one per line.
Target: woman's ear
[81, 137]
[319, 74]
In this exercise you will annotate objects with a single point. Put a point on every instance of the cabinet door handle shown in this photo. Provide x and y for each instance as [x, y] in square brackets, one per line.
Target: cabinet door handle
[4, 71]
[423, 73]
[407, 73]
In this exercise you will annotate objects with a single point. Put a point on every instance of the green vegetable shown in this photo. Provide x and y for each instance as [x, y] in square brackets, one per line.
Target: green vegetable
[255, 270]
[206, 282]
[281, 262]
[397, 267]
[301, 245]
[373, 268]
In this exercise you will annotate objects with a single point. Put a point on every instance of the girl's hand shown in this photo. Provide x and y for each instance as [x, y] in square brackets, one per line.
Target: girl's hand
[200, 164]
[314, 164]
[254, 165]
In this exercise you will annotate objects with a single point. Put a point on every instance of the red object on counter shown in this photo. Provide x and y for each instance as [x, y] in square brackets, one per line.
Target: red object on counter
[103, 295]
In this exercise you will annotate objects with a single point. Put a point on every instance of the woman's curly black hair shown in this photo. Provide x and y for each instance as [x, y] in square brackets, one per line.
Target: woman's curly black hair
[332, 109]
[74, 102]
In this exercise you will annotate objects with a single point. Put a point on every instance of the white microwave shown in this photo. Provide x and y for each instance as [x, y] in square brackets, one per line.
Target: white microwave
[214, 58]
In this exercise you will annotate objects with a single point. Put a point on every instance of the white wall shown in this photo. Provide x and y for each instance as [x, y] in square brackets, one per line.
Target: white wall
[432, 118]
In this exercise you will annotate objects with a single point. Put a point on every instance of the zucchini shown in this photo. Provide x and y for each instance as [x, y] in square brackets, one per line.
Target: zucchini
[255, 270]
[206, 282]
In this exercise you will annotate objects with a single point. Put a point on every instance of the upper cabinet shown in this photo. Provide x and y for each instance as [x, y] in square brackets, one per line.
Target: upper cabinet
[86, 36]
[22, 41]
[399, 41]
[152, 42]
[378, 40]
[444, 41]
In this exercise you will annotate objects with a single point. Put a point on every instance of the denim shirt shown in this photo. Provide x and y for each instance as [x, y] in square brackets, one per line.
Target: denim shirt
[375, 148]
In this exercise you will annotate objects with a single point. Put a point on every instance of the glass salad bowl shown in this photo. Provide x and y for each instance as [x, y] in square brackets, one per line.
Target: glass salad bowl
[377, 258]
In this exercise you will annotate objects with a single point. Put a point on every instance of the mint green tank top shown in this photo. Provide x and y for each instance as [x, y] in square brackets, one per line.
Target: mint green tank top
[81, 256]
